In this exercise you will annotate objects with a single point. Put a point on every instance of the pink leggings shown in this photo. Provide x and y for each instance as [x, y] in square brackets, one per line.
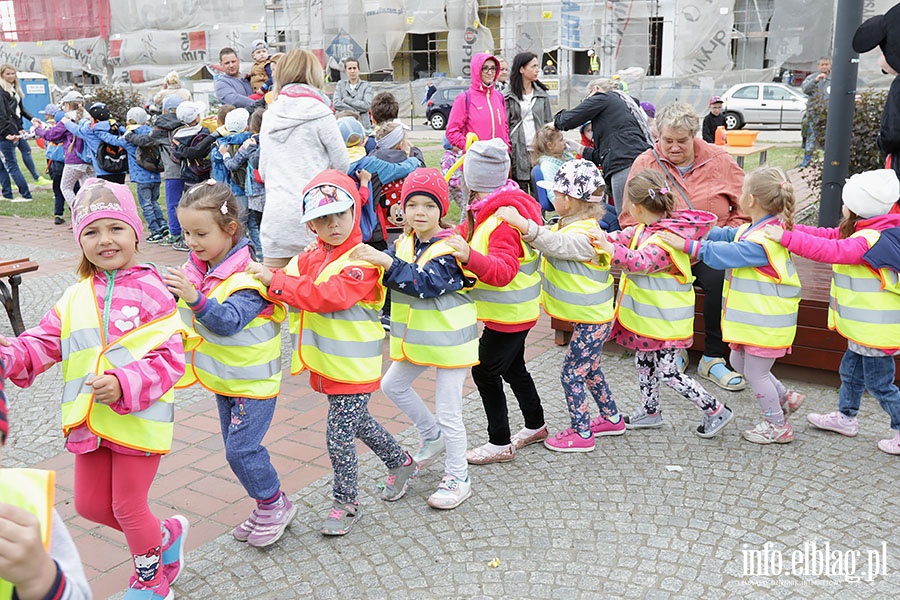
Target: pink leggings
[769, 391]
[112, 489]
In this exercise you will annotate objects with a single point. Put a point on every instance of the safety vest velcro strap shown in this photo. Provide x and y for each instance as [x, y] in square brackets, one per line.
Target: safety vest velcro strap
[767, 321]
[161, 412]
[204, 362]
[655, 312]
[658, 284]
[579, 268]
[764, 288]
[879, 316]
[343, 348]
[558, 293]
[81, 339]
[507, 296]
[441, 303]
[434, 338]
[857, 284]
[248, 336]
[529, 268]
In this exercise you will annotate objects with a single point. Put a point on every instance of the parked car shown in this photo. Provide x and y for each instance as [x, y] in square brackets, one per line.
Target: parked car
[764, 103]
[437, 110]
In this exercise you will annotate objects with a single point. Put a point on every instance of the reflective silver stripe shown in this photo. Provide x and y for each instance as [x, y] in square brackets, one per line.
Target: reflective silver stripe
[295, 341]
[72, 388]
[80, 339]
[857, 284]
[768, 321]
[529, 268]
[507, 296]
[655, 312]
[342, 347]
[161, 412]
[119, 356]
[442, 303]
[579, 268]
[578, 299]
[248, 336]
[868, 315]
[764, 288]
[440, 338]
[658, 284]
[242, 373]
[355, 313]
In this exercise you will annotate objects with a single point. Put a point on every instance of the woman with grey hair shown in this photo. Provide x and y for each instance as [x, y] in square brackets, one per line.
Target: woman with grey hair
[620, 132]
[702, 176]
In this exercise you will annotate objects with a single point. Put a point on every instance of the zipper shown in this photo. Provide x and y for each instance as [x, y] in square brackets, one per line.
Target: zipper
[107, 301]
[487, 96]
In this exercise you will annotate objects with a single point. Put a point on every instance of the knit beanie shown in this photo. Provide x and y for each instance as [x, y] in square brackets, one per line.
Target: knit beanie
[236, 120]
[101, 199]
[872, 193]
[486, 166]
[427, 182]
[138, 115]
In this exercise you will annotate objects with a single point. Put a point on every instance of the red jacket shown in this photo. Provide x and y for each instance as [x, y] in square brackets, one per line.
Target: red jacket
[340, 291]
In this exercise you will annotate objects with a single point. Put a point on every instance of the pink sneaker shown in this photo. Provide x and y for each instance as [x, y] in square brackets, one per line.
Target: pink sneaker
[792, 401]
[601, 426]
[569, 441]
[891, 446]
[173, 551]
[836, 422]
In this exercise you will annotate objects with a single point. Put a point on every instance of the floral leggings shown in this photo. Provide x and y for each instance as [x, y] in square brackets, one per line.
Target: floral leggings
[581, 372]
[657, 366]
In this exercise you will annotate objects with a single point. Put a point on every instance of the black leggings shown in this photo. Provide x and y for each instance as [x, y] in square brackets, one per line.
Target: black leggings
[711, 282]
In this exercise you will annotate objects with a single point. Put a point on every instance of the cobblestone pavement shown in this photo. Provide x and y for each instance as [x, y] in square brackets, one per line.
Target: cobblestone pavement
[651, 514]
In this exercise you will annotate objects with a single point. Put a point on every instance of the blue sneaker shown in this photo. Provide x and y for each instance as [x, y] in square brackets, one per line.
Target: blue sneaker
[140, 591]
[173, 551]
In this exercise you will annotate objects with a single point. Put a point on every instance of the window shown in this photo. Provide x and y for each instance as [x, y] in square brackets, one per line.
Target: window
[751, 92]
[656, 46]
[771, 92]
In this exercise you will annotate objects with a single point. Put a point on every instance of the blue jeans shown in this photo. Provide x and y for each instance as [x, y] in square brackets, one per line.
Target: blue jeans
[25, 149]
[859, 373]
[255, 220]
[148, 198]
[251, 225]
[244, 423]
[174, 189]
[8, 149]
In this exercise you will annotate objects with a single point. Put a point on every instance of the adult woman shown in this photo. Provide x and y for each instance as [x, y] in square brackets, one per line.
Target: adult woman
[481, 109]
[620, 132]
[527, 109]
[172, 87]
[710, 178]
[299, 139]
[11, 112]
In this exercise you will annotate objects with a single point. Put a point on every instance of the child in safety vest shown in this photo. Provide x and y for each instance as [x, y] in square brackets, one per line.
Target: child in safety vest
[40, 559]
[655, 308]
[762, 295]
[432, 324]
[118, 335]
[577, 288]
[240, 357]
[507, 297]
[337, 336]
[865, 299]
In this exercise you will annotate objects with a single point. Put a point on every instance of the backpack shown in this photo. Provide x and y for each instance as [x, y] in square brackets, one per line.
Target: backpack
[193, 170]
[112, 159]
[238, 176]
[149, 158]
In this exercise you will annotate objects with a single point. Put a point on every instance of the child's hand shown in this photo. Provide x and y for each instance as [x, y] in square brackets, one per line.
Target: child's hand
[23, 560]
[598, 236]
[370, 254]
[178, 284]
[260, 271]
[223, 150]
[107, 388]
[512, 216]
[773, 232]
[461, 249]
[4, 341]
[672, 239]
[248, 142]
[36, 122]
[364, 177]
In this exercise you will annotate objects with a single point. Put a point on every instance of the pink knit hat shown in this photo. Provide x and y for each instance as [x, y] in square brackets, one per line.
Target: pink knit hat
[101, 199]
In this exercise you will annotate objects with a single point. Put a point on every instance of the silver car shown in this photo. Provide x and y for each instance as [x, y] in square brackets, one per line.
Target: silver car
[764, 103]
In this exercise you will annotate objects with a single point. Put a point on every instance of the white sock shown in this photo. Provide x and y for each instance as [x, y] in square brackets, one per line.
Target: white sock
[529, 432]
[496, 448]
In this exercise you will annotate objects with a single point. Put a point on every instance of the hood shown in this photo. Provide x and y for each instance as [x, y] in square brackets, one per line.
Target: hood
[689, 224]
[234, 262]
[508, 195]
[477, 62]
[296, 105]
[391, 155]
[885, 254]
[167, 121]
[345, 183]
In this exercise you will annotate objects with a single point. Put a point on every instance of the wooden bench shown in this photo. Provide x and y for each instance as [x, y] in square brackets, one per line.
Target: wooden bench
[12, 270]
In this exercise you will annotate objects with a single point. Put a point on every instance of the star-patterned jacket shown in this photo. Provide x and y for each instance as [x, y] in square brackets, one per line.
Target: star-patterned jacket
[439, 276]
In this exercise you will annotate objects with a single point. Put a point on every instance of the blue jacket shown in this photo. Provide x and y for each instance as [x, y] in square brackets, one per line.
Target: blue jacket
[136, 173]
[885, 254]
[220, 171]
[438, 276]
[89, 133]
[720, 251]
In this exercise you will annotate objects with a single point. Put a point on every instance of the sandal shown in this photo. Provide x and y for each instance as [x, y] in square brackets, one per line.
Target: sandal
[704, 370]
[681, 360]
[484, 455]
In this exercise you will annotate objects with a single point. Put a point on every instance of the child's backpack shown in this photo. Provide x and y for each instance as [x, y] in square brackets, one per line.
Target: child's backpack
[150, 158]
[112, 159]
[238, 176]
[193, 170]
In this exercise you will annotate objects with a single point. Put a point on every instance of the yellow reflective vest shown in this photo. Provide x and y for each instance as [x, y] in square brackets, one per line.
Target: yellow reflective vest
[441, 331]
[86, 353]
[519, 300]
[865, 304]
[580, 292]
[658, 305]
[760, 310]
[33, 490]
[244, 365]
[346, 345]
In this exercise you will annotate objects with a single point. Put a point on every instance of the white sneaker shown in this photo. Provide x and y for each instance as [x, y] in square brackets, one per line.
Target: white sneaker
[451, 493]
[21, 199]
[429, 451]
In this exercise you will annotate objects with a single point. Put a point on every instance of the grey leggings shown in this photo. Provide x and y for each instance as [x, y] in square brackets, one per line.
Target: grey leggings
[71, 175]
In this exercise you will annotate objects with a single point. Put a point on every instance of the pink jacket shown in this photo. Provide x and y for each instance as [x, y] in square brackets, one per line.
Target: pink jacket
[138, 296]
[480, 109]
[824, 244]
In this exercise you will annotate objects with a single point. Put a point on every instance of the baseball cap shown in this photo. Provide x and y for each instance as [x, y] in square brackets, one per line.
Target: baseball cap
[138, 115]
[352, 131]
[99, 111]
[715, 99]
[325, 197]
[171, 102]
[258, 45]
[187, 112]
[72, 96]
[578, 178]
[50, 110]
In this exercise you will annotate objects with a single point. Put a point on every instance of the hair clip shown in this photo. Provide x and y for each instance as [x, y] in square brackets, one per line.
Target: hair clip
[210, 181]
[783, 183]
[224, 207]
[663, 190]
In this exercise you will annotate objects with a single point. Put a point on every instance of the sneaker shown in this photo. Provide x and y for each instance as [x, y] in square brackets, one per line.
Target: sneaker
[791, 402]
[271, 521]
[340, 519]
[153, 238]
[601, 426]
[138, 590]
[429, 451]
[181, 245]
[173, 551]
[769, 433]
[242, 532]
[488, 454]
[169, 240]
[22, 199]
[450, 493]
[836, 422]
[398, 480]
[570, 440]
[641, 419]
[42, 181]
[526, 438]
[713, 424]
[385, 322]
[57, 220]
[891, 446]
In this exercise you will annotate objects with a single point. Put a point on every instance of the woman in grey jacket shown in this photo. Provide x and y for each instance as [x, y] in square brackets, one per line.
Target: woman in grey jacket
[528, 109]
